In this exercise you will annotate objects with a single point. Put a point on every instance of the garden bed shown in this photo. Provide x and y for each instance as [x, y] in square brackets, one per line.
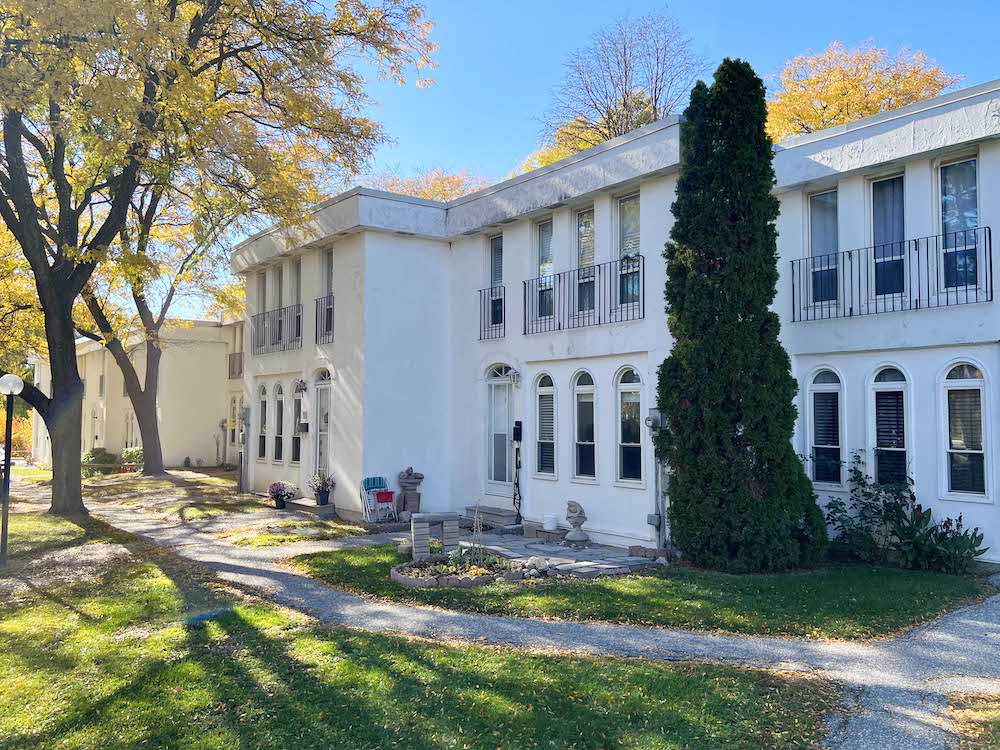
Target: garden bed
[457, 572]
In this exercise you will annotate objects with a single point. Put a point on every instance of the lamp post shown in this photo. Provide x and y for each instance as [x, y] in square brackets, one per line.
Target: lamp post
[10, 386]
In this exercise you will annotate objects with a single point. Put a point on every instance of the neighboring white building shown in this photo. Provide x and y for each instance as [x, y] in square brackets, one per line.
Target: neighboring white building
[403, 332]
[200, 374]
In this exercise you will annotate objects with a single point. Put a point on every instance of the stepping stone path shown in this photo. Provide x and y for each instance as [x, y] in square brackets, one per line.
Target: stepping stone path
[584, 562]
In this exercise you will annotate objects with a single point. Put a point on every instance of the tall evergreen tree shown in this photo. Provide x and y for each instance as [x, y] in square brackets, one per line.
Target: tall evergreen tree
[739, 497]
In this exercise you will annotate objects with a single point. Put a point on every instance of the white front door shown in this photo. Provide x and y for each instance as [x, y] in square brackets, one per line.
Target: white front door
[499, 459]
[323, 429]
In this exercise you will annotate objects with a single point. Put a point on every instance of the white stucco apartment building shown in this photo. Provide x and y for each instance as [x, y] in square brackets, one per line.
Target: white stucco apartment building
[393, 332]
[200, 389]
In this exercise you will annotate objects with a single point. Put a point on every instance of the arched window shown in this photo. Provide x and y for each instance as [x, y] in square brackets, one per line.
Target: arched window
[585, 464]
[629, 426]
[279, 423]
[262, 424]
[965, 394]
[323, 376]
[890, 426]
[232, 421]
[825, 427]
[545, 455]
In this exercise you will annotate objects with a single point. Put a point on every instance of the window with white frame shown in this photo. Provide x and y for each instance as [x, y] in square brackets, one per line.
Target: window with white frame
[100, 386]
[496, 280]
[890, 426]
[585, 466]
[279, 423]
[262, 424]
[959, 220]
[232, 421]
[629, 426]
[499, 426]
[629, 247]
[823, 245]
[546, 301]
[545, 456]
[239, 422]
[964, 389]
[888, 235]
[825, 427]
[261, 291]
[297, 395]
[585, 252]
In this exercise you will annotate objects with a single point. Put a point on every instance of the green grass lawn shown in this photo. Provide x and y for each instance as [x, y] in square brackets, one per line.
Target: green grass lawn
[31, 474]
[290, 532]
[113, 663]
[32, 534]
[848, 602]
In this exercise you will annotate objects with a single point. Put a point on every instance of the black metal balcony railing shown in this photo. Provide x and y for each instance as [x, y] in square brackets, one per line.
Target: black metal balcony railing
[277, 330]
[324, 320]
[235, 365]
[492, 313]
[938, 271]
[591, 296]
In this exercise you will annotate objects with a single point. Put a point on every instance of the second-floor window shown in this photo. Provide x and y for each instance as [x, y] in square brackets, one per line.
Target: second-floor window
[959, 215]
[496, 280]
[888, 235]
[628, 248]
[823, 243]
[262, 291]
[585, 293]
[545, 291]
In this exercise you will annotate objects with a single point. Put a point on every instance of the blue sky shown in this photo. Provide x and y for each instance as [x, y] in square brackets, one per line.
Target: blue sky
[499, 60]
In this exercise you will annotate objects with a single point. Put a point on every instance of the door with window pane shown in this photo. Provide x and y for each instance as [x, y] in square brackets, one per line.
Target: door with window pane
[887, 234]
[499, 413]
[823, 246]
[323, 429]
[959, 220]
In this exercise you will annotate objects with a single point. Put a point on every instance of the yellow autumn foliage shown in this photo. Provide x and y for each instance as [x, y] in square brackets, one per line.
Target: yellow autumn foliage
[842, 84]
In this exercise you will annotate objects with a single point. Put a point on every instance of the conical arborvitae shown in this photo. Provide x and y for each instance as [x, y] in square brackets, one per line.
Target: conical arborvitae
[739, 497]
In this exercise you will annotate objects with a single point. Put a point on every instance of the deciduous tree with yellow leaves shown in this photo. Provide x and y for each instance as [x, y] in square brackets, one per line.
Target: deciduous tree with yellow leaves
[431, 183]
[257, 100]
[842, 84]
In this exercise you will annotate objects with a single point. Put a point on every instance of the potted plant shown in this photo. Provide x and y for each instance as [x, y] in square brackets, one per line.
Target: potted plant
[280, 492]
[321, 486]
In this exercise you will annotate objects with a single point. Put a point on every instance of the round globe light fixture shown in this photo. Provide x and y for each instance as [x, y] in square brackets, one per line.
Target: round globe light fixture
[11, 385]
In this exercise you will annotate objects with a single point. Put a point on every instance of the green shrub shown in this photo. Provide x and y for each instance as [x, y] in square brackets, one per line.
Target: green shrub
[739, 496]
[132, 455]
[107, 462]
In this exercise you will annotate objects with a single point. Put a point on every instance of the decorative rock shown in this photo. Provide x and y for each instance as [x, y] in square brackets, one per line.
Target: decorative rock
[662, 561]
[536, 562]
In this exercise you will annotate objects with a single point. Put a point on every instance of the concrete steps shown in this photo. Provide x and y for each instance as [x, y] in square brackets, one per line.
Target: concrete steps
[491, 516]
[309, 505]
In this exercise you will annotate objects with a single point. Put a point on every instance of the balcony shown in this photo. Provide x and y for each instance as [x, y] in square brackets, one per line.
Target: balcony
[235, 365]
[944, 270]
[324, 320]
[591, 296]
[277, 330]
[492, 313]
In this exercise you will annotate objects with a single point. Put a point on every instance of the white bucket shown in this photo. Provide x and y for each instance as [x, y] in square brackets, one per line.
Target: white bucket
[550, 522]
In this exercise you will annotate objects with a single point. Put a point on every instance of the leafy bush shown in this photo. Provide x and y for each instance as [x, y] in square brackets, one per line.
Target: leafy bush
[281, 491]
[132, 455]
[885, 523]
[106, 462]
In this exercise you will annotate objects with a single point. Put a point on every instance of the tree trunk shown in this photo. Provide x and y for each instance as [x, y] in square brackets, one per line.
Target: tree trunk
[65, 416]
[144, 403]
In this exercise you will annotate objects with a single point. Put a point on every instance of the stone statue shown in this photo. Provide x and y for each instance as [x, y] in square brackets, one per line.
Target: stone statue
[577, 518]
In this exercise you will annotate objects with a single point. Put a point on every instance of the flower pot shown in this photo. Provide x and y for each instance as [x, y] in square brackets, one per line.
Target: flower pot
[279, 503]
[323, 497]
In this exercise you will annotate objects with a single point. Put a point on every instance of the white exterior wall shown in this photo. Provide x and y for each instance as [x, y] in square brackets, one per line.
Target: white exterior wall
[417, 377]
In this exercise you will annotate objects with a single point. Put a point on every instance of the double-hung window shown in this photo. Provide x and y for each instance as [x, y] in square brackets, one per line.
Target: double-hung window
[585, 459]
[545, 458]
[546, 302]
[628, 250]
[890, 426]
[297, 298]
[297, 422]
[964, 389]
[823, 243]
[279, 423]
[262, 424]
[586, 272]
[887, 234]
[496, 280]
[629, 427]
[826, 430]
[959, 220]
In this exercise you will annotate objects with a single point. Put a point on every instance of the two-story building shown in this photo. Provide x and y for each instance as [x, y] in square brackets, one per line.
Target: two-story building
[391, 331]
[200, 392]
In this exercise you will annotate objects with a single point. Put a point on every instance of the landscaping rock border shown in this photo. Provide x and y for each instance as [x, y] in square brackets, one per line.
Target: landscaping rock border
[398, 575]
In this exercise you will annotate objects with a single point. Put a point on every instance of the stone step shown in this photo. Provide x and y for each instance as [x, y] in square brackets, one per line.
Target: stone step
[309, 505]
[492, 516]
